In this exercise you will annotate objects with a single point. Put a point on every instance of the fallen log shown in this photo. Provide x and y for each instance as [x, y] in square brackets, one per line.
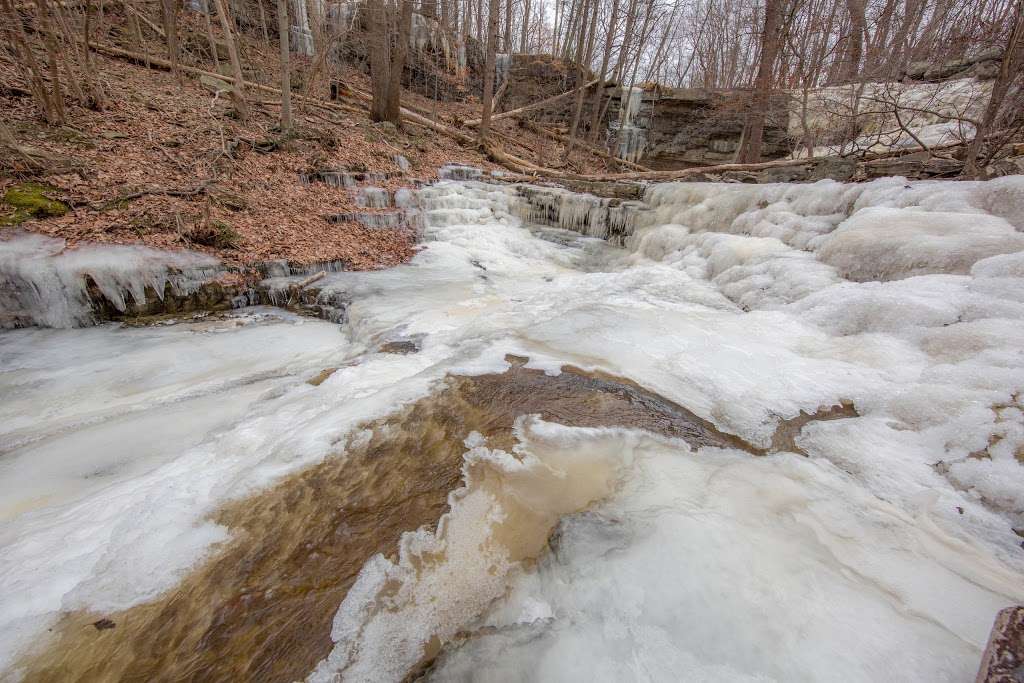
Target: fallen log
[535, 105]
[163, 64]
[582, 144]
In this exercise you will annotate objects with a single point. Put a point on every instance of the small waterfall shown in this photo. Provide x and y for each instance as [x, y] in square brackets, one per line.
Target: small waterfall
[609, 219]
[459, 172]
[301, 32]
[43, 283]
[405, 198]
[502, 64]
[373, 198]
[403, 164]
[376, 221]
[632, 138]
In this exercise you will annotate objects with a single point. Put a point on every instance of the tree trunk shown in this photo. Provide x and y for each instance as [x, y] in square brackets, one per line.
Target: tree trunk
[508, 26]
[286, 79]
[582, 59]
[170, 13]
[609, 40]
[53, 65]
[209, 35]
[526, 27]
[1013, 61]
[753, 133]
[378, 18]
[855, 43]
[399, 51]
[238, 92]
[492, 48]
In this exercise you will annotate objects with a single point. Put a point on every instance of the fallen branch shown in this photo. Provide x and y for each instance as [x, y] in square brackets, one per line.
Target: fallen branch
[202, 188]
[165, 65]
[582, 144]
[535, 105]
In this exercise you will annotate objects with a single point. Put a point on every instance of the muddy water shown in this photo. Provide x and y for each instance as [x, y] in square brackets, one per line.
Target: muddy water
[262, 608]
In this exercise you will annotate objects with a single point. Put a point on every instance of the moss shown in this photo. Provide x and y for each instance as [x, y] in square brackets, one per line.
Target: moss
[217, 234]
[29, 200]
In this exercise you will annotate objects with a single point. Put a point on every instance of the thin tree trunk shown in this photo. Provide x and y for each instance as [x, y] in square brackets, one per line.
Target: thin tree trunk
[508, 26]
[380, 58]
[50, 41]
[582, 59]
[238, 92]
[23, 50]
[595, 116]
[209, 35]
[526, 27]
[399, 51]
[1013, 60]
[492, 48]
[753, 133]
[170, 13]
[263, 23]
[286, 81]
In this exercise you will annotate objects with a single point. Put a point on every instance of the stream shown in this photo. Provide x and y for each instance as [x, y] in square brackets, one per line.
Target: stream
[729, 432]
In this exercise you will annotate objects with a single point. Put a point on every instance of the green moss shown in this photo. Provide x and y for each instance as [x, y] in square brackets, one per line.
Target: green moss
[29, 200]
[217, 234]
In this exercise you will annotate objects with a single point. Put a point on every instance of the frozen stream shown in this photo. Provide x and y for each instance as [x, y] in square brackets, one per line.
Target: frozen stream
[881, 551]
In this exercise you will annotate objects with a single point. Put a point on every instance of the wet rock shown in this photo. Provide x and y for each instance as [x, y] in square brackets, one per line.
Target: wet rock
[321, 377]
[403, 346]
[1003, 659]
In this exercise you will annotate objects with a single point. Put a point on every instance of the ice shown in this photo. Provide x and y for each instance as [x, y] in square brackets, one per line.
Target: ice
[373, 197]
[42, 283]
[888, 538]
[443, 579]
[718, 566]
[888, 244]
[936, 113]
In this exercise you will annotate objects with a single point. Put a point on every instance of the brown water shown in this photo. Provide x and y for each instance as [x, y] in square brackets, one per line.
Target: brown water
[261, 608]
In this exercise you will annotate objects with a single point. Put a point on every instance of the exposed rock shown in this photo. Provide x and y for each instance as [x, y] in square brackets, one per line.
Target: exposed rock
[915, 166]
[1003, 659]
[321, 377]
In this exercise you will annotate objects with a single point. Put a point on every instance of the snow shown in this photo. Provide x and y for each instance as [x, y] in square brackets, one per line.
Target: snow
[890, 540]
[936, 113]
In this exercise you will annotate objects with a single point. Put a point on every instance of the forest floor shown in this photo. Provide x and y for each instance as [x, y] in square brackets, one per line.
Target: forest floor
[164, 161]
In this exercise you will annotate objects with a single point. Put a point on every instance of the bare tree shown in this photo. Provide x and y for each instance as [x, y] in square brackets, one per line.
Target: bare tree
[753, 130]
[489, 68]
[389, 23]
[238, 90]
[286, 81]
[1009, 69]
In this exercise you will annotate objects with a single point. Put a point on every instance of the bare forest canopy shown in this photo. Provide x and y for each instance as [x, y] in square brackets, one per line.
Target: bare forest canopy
[609, 49]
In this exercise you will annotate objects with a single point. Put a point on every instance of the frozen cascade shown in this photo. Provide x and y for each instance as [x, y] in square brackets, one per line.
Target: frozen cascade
[373, 197]
[631, 136]
[502, 64]
[405, 198]
[609, 219]
[402, 162]
[888, 538]
[459, 172]
[42, 283]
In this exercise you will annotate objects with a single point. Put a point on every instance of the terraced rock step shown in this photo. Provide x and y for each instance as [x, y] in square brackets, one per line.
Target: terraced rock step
[378, 221]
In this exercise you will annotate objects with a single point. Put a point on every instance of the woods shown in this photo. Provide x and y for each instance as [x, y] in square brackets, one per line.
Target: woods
[810, 66]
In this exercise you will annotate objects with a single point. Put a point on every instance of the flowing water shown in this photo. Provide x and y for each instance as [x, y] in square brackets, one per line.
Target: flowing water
[727, 433]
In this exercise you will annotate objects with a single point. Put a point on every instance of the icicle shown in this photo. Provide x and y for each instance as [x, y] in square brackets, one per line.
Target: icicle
[402, 163]
[373, 198]
[459, 172]
[405, 198]
[44, 284]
